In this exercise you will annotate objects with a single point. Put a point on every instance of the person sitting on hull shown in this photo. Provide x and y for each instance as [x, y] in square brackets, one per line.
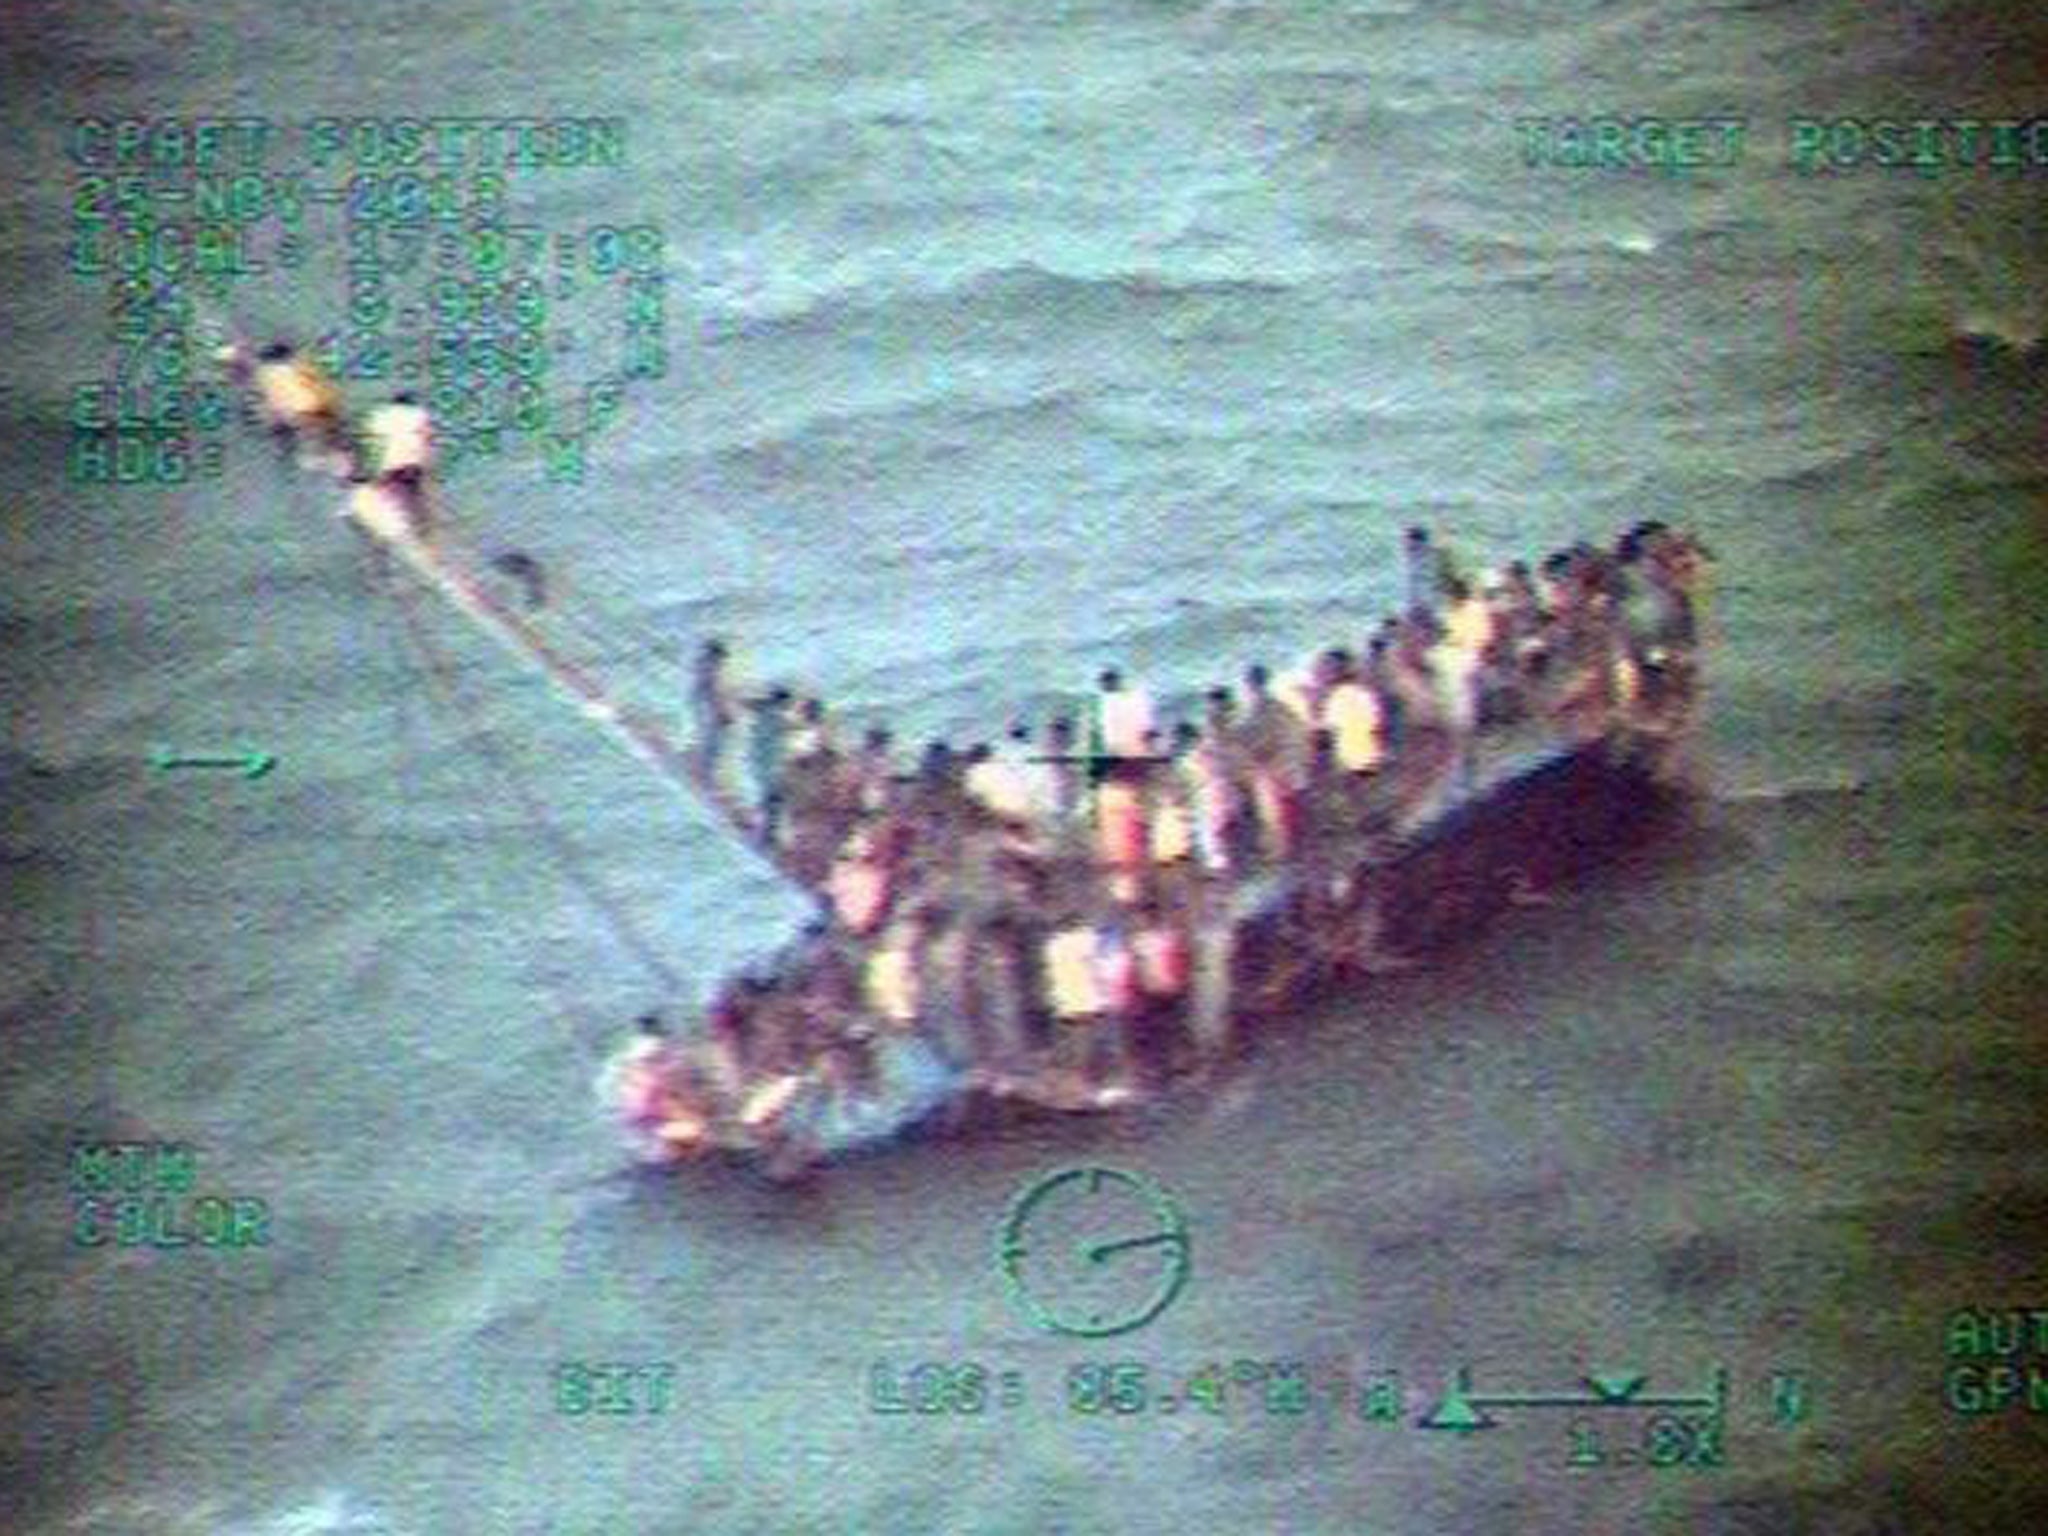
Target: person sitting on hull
[659, 1094]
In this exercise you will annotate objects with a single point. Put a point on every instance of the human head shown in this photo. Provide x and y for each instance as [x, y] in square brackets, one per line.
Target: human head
[276, 352]
[1256, 677]
[406, 397]
[1110, 680]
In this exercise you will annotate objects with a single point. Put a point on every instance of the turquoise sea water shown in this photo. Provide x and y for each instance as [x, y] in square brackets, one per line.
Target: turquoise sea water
[1009, 343]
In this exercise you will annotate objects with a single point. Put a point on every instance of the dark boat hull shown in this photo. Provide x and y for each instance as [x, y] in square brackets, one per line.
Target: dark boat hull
[1538, 825]
[1532, 830]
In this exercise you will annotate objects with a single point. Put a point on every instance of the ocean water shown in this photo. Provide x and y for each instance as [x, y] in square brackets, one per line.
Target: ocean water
[1009, 342]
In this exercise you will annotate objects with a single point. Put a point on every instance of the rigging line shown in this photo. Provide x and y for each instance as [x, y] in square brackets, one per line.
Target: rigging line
[582, 1027]
[440, 674]
[378, 578]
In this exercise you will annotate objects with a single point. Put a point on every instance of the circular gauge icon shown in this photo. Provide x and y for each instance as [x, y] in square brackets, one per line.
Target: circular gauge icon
[1093, 1252]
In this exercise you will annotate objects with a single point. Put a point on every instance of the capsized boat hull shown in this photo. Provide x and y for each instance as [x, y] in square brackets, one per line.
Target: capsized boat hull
[1540, 823]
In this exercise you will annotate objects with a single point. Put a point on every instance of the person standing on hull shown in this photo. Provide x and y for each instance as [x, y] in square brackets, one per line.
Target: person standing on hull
[1002, 999]
[1456, 661]
[1159, 945]
[1173, 810]
[1305, 690]
[1426, 568]
[1073, 992]
[857, 888]
[1225, 830]
[713, 708]
[1123, 715]
[892, 972]
[1066, 781]
[1111, 1069]
[875, 771]
[995, 781]
[1268, 742]
[1084, 986]
[942, 958]
[767, 741]
[1356, 719]
[1118, 742]
[811, 734]
[1122, 840]
[1212, 945]
[1518, 616]
[819, 803]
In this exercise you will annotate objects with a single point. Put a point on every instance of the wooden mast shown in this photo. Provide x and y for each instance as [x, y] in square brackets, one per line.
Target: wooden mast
[440, 568]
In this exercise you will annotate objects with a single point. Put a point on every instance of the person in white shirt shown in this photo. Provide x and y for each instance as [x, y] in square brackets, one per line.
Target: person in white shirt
[1123, 717]
[399, 435]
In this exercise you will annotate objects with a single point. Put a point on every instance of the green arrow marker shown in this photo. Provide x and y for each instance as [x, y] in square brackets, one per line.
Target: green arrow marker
[1456, 1410]
[251, 764]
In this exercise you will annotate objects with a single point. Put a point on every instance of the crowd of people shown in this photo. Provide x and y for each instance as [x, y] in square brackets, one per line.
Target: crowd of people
[1049, 914]
[1053, 914]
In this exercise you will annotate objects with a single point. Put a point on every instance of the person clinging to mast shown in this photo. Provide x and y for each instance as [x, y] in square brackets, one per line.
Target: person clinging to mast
[398, 449]
[302, 406]
[398, 434]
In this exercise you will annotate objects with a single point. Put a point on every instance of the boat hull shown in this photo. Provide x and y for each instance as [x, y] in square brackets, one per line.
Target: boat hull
[1299, 935]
